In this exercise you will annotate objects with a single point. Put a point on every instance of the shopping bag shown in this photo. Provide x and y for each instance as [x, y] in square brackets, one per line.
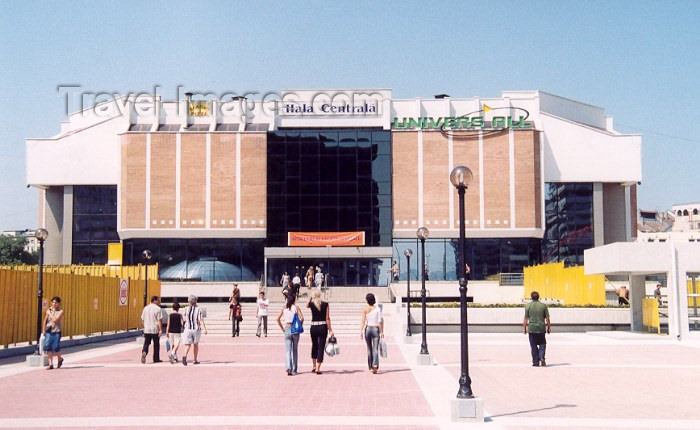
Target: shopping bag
[331, 346]
[167, 345]
[382, 348]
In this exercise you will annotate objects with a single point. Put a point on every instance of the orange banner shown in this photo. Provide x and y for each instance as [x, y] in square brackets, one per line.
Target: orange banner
[352, 238]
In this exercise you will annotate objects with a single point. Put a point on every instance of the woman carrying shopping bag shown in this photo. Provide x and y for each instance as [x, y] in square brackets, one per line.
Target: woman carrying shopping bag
[372, 330]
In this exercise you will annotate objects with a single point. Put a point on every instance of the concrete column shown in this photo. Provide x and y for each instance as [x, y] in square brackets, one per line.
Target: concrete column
[677, 298]
[53, 247]
[598, 215]
[67, 235]
[615, 213]
[637, 292]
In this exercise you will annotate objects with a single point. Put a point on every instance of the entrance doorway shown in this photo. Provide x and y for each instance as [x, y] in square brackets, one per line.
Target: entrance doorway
[345, 272]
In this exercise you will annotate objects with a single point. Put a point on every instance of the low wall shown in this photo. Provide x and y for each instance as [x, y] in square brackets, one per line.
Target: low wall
[511, 319]
[486, 292]
[207, 289]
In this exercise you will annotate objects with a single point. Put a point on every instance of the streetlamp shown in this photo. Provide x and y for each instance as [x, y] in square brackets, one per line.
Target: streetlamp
[422, 234]
[40, 234]
[146, 255]
[460, 177]
[408, 252]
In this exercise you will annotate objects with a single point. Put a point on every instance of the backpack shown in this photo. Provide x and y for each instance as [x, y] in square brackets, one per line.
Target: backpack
[297, 326]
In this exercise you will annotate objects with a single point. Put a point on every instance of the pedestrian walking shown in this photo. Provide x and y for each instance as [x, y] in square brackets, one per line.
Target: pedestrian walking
[235, 295]
[194, 323]
[291, 340]
[261, 313]
[51, 330]
[152, 317]
[372, 330]
[235, 314]
[284, 281]
[173, 332]
[657, 294]
[318, 278]
[395, 271]
[309, 279]
[296, 285]
[536, 316]
[320, 328]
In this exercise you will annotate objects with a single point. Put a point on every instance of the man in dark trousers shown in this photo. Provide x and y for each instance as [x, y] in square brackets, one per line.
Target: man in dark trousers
[536, 316]
[152, 328]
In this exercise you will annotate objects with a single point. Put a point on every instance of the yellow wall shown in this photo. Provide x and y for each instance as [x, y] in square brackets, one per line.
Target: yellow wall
[569, 285]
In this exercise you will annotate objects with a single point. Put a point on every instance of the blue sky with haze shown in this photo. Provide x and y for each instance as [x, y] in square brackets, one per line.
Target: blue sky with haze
[638, 60]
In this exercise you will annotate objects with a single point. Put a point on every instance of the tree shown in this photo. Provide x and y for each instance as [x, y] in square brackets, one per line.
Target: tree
[12, 251]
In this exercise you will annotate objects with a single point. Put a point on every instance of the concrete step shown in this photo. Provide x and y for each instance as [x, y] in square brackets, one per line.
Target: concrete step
[345, 318]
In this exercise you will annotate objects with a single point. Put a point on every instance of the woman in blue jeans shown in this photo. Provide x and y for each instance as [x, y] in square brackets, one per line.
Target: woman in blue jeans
[291, 341]
[372, 329]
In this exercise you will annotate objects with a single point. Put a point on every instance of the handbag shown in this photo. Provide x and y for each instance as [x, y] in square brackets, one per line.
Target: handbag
[297, 326]
[239, 318]
[382, 348]
[331, 346]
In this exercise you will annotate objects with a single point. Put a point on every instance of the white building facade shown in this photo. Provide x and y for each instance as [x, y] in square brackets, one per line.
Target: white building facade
[237, 189]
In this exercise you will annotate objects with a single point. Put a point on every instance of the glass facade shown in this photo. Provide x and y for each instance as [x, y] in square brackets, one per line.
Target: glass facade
[569, 222]
[486, 257]
[207, 260]
[94, 222]
[329, 180]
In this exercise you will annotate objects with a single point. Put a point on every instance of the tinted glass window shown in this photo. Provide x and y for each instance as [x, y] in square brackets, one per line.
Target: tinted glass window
[330, 181]
[569, 222]
[94, 222]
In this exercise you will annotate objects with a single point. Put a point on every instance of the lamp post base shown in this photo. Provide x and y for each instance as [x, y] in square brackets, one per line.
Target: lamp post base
[424, 359]
[37, 360]
[467, 410]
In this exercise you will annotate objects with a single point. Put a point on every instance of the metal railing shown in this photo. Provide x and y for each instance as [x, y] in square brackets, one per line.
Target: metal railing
[511, 279]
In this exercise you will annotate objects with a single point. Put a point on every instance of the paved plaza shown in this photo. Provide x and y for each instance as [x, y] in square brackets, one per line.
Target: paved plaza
[611, 380]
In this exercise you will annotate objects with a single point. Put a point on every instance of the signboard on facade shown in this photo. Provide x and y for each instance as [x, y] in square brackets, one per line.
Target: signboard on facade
[352, 238]
[199, 108]
[123, 292]
[488, 119]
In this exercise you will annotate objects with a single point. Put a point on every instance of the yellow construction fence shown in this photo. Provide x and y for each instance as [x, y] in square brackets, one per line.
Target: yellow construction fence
[650, 315]
[132, 272]
[568, 285]
[93, 304]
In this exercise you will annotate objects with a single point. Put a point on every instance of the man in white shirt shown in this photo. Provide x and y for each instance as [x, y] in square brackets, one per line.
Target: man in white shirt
[152, 328]
[261, 313]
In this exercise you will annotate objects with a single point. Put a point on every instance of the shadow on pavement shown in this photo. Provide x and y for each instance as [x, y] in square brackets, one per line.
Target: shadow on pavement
[534, 410]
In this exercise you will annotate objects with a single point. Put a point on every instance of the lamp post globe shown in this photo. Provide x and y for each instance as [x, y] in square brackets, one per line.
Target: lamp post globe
[40, 234]
[146, 255]
[408, 252]
[422, 233]
[461, 177]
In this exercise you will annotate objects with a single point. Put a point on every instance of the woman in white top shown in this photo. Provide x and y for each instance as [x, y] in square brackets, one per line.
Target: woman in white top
[372, 329]
[291, 340]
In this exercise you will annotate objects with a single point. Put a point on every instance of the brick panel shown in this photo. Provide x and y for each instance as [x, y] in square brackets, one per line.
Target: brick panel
[223, 180]
[527, 179]
[436, 180]
[163, 181]
[466, 153]
[253, 180]
[133, 181]
[193, 180]
[496, 181]
[405, 178]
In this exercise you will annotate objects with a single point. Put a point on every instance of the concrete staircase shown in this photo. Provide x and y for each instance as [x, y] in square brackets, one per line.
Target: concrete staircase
[345, 318]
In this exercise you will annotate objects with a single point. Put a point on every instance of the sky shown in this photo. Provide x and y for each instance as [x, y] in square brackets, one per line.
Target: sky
[640, 61]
